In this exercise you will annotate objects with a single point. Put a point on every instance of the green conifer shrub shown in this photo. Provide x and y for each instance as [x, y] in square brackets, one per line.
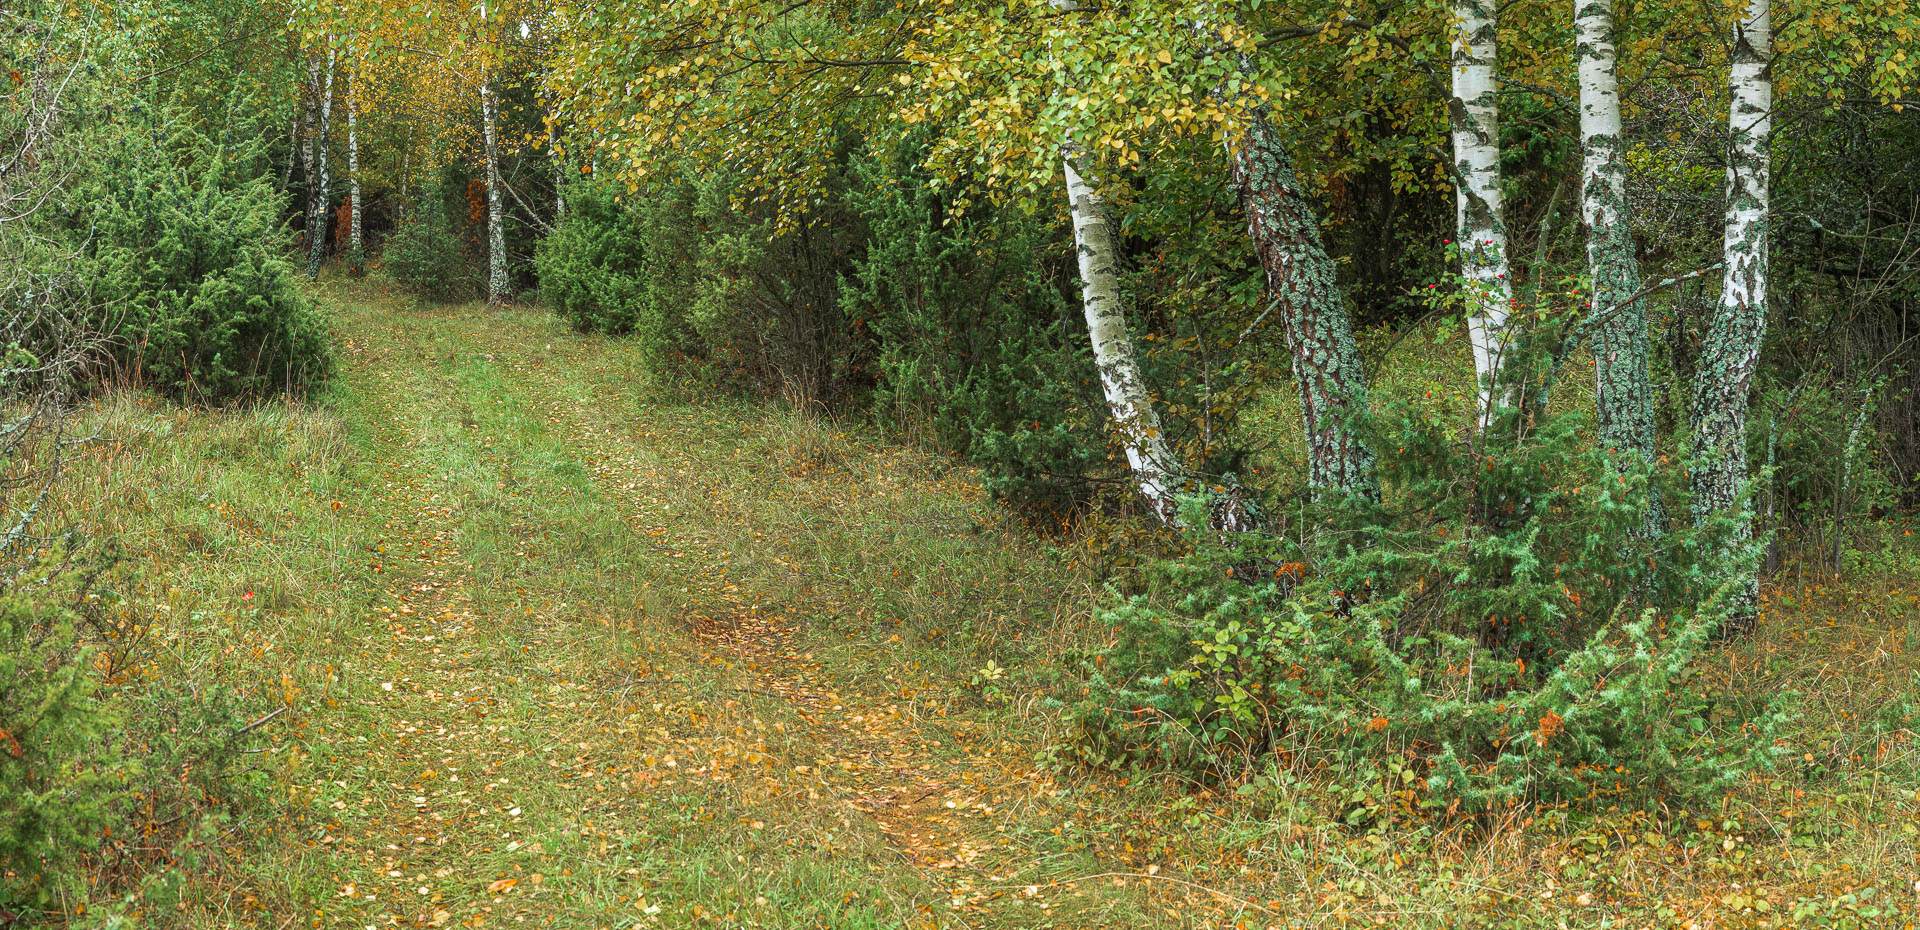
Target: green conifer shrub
[62, 778]
[976, 348]
[592, 266]
[186, 251]
[425, 254]
[1494, 630]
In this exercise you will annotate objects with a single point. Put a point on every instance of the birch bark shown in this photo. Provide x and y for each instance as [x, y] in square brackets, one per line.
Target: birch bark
[356, 237]
[559, 174]
[1480, 214]
[1305, 293]
[496, 225]
[1155, 469]
[1623, 390]
[1153, 464]
[1731, 352]
[318, 183]
[310, 118]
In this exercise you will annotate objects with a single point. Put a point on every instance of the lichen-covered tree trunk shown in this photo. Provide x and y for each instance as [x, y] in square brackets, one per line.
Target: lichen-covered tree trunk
[356, 236]
[1480, 215]
[496, 221]
[1154, 467]
[1731, 351]
[318, 182]
[1309, 305]
[1623, 395]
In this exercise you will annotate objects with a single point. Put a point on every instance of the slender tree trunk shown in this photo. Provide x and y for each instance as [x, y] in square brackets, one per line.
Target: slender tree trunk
[496, 221]
[309, 119]
[559, 174]
[356, 237]
[318, 196]
[1301, 284]
[293, 152]
[1623, 395]
[1153, 464]
[1480, 215]
[1731, 351]
[1307, 300]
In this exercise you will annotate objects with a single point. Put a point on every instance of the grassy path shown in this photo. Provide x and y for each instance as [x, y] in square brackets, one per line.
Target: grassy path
[559, 646]
[600, 688]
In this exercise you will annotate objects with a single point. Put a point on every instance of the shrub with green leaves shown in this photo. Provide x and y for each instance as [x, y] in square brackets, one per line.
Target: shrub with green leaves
[591, 267]
[62, 779]
[1496, 629]
[425, 254]
[186, 251]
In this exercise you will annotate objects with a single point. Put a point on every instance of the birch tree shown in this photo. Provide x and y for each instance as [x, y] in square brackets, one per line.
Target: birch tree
[356, 239]
[496, 226]
[1730, 353]
[317, 180]
[1480, 215]
[1623, 389]
[1142, 437]
[1155, 469]
[1302, 286]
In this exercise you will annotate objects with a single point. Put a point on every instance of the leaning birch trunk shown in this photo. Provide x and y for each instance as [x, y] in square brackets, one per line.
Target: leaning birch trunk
[1311, 308]
[1302, 286]
[1623, 390]
[356, 237]
[1731, 352]
[496, 225]
[1474, 113]
[317, 198]
[1113, 350]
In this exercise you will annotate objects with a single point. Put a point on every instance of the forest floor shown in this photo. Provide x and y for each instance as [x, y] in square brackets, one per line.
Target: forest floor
[565, 646]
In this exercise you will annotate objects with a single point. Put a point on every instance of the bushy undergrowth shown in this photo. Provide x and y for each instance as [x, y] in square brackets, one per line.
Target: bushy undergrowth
[970, 350]
[885, 301]
[425, 254]
[1495, 631]
[591, 268]
[186, 253]
[107, 778]
[61, 781]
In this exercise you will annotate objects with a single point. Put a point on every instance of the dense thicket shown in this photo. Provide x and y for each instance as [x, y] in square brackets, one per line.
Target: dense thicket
[187, 257]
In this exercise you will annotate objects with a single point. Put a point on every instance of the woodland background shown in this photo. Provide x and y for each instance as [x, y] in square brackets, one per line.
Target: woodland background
[1593, 532]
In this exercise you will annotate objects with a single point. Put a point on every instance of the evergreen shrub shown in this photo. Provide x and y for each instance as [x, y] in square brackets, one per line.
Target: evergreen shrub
[976, 347]
[187, 252]
[1495, 631]
[63, 781]
[425, 254]
[592, 266]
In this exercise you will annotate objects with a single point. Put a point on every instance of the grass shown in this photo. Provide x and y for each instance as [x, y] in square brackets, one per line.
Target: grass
[563, 644]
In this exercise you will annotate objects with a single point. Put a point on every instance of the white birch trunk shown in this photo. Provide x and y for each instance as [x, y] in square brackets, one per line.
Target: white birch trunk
[293, 153]
[1474, 113]
[1113, 350]
[1623, 389]
[356, 237]
[317, 220]
[496, 221]
[1731, 352]
[310, 117]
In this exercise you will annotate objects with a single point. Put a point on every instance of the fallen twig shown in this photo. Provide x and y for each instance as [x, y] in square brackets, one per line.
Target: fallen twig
[257, 724]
